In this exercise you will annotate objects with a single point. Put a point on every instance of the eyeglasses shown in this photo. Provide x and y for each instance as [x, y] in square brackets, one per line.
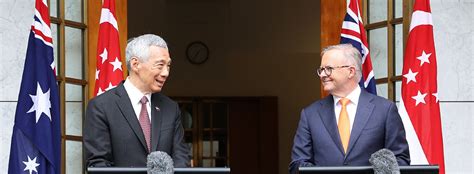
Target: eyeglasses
[328, 69]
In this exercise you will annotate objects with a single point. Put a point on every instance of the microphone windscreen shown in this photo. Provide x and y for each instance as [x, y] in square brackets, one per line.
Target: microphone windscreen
[384, 162]
[159, 162]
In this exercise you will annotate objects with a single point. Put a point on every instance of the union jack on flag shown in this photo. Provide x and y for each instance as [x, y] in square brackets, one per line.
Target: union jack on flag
[353, 33]
[36, 139]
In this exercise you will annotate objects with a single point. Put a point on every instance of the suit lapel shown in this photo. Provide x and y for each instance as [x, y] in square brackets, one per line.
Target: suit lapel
[126, 108]
[156, 120]
[329, 120]
[363, 113]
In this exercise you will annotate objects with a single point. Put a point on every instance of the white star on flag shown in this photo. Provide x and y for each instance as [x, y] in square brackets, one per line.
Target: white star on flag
[110, 87]
[411, 76]
[97, 71]
[31, 165]
[436, 95]
[104, 55]
[117, 64]
[41, 103]
[420, 98]
[99, 92]
[52, 66]
[424, 58]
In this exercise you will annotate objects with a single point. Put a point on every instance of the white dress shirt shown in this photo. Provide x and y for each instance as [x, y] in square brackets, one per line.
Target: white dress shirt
[135, 96]
[351, 106]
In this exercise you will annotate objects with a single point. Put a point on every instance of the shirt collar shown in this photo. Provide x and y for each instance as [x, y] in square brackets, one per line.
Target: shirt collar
[134, 93]
[353, 96]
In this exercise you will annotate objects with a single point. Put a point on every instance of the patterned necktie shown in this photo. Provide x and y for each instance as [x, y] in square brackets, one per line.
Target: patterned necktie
[145, 121]
[344, 124]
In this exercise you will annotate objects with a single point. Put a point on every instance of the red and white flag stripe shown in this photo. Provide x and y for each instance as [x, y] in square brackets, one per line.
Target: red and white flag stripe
[419, 106]
[41, 25]
[353, 33]
[109, 71]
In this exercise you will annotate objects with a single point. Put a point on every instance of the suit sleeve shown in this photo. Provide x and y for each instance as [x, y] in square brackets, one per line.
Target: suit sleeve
[97, 145]
[181, 155]
[302, 152]
[395, 138]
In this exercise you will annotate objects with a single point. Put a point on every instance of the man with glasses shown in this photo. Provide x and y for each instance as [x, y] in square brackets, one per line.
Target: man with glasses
[346, 127]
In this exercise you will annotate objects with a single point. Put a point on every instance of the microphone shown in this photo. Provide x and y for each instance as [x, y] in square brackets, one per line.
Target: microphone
[384, 162]
[159, 162]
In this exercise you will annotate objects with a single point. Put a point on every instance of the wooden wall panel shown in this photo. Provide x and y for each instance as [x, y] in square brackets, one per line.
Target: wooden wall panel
[93, 15]
[253, 135]
[332, 15]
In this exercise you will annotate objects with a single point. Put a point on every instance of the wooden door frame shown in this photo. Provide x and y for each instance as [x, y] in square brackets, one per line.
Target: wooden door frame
[332, 15]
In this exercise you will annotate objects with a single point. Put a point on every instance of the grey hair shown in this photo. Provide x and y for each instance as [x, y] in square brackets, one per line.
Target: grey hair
[140, 47]
[351, 54]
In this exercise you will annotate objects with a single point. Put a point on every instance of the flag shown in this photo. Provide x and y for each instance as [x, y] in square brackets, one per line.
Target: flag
[419, 106]
[109, 65]
[353, 33]
[36, 139]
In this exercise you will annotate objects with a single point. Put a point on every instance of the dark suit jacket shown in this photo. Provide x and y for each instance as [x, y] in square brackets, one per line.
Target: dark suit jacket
[377, 125]
[113, 136]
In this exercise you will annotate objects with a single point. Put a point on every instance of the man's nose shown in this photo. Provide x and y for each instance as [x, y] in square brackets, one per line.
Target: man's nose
[323, 74]
[165, 72]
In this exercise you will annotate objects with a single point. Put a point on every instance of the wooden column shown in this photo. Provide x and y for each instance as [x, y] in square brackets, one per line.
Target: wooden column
[332, 15]
[93, 15]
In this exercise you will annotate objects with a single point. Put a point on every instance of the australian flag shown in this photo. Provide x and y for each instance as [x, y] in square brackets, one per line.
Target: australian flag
[353, 33]
[36, 139]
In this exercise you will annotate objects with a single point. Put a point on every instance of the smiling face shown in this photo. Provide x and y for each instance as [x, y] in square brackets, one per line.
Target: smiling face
[149, 75]
[342, 80]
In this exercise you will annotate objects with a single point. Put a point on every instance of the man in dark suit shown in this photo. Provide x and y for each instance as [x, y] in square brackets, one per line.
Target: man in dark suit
[350, 124]
[123, 125]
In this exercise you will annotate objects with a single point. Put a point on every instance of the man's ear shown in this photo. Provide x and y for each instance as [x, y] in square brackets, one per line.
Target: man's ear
[134, 63]
[352, 72]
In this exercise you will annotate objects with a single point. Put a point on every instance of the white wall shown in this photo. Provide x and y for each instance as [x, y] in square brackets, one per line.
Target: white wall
[454, 36]
[16, 17]
[453, 24]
